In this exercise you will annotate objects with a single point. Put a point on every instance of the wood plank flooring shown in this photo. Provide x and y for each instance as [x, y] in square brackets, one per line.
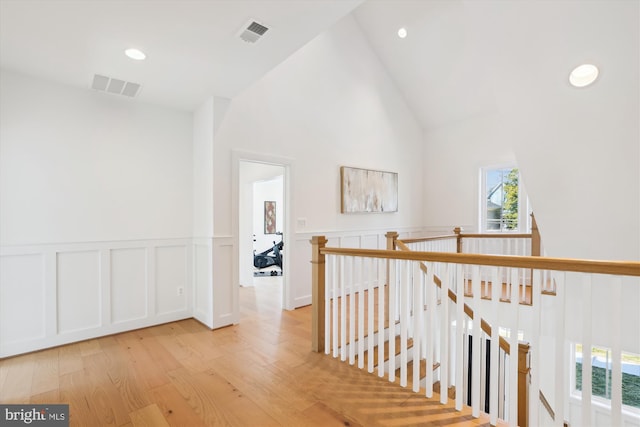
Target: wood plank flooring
[258, 373]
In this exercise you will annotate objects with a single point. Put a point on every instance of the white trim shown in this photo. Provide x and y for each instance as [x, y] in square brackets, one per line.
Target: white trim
[524, 221]
[287, 163]
[85, 327]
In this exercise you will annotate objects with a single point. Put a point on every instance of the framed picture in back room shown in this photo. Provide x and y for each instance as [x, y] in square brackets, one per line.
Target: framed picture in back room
[269, 217]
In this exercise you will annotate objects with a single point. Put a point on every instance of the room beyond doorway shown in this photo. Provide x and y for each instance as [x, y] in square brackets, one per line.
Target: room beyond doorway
[261, 226]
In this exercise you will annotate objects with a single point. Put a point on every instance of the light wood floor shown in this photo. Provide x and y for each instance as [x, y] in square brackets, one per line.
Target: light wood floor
[258, 373]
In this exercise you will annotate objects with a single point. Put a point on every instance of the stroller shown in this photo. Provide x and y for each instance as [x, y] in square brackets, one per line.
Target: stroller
[264, 260]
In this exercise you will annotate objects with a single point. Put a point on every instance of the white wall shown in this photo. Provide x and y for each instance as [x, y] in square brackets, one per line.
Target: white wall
[80, 166]
[206, 121]
[328, 105]
[96, 214]
[579, 149]
[453, 157]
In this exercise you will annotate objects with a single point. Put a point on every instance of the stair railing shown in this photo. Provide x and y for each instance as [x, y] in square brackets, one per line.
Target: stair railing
[373, 296]
[503, 348]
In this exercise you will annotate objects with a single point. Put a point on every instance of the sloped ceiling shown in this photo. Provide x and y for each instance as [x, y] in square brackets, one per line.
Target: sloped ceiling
[192, 46]
[463, 59]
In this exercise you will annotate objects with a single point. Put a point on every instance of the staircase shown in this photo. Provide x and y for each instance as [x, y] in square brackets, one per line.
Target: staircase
[445, 308]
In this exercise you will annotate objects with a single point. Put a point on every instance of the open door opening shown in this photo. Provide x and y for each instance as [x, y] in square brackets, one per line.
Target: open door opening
[261, 237]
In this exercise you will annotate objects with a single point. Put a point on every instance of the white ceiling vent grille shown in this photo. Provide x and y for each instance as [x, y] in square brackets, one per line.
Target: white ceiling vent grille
[253, 31]
[115, 86]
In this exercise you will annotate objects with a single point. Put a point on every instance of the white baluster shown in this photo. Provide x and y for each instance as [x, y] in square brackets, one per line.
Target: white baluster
[430, 326]
[616, 352]
[586, 350]
[445, 328]
[361, 310]
[353, 289]
[327, 302]
[404, 320]
[418, 286]
[561, 348]
[476, 352]
[370, 314]
[393, 315]
[343, 310]
[459, 338]
[381, 316]
[513, 344]
[337, 275]
[496, 290]
[534, 340]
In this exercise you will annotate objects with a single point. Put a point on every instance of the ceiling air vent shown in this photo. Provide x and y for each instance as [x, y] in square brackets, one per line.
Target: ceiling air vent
[253, 32]
[115, 86]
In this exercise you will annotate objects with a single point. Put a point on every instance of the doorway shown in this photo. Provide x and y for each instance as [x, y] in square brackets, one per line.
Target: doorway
[262, 231]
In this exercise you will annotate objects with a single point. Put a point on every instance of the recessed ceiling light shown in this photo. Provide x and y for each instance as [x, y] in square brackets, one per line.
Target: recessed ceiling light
[583, 75]
[402, 32]
[135, 54]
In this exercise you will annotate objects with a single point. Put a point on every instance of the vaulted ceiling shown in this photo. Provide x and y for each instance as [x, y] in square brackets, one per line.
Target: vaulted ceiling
[192, 47]
[461, 59]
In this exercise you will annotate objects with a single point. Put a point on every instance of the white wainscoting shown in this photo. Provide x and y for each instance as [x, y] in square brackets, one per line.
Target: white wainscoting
[55, 294]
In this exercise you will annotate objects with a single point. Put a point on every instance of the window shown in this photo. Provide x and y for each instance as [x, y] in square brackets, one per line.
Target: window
[500, 205]
[601, 375]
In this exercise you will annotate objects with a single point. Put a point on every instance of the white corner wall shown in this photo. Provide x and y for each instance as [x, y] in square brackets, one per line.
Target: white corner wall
[96, 214]
[453, 156]
[328, 105]
[209, 250]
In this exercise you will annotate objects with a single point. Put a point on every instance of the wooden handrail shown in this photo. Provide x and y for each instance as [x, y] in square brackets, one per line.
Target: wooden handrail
[547, 405]
[495, 235]
[620, 268]
[429, 239]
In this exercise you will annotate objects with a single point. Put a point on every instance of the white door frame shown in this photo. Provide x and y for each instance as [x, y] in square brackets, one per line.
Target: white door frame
[238, 156]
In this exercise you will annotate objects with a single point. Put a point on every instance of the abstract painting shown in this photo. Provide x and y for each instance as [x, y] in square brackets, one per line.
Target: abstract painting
[269, 217]
[365, 190]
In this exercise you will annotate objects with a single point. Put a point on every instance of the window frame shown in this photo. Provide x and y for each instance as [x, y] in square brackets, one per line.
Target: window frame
[524, 210]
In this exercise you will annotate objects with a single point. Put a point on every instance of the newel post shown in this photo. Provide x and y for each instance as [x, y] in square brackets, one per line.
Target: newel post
[524, 371]
[317, 295]
[392, 238]
[458, 231]
[535, 237]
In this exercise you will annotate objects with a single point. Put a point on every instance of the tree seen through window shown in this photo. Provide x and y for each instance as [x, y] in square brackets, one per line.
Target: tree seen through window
[502, 199]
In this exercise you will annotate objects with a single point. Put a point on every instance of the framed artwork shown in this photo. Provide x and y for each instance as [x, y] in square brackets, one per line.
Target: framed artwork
[365, 190]
[269, 217]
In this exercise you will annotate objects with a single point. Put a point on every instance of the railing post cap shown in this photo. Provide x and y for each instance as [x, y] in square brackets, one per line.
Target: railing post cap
[391, 234]
[458, 230]
[319, 240]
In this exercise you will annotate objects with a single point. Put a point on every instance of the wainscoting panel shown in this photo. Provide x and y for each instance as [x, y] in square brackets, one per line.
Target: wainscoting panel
[350, 242]
[128, 284]
[22, 300]
[54, 294]
[171, 279]
[79, 293]
[371, 241]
